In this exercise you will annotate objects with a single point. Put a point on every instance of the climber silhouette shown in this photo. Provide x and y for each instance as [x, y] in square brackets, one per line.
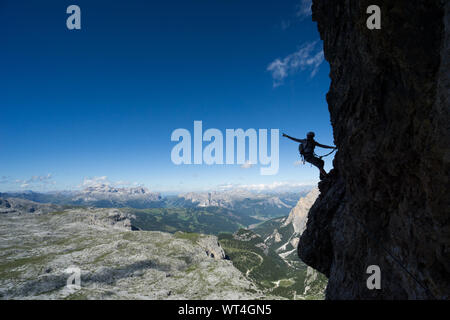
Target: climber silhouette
[306, 149]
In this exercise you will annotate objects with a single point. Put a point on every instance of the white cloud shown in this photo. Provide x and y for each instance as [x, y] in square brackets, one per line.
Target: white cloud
[123, 183]
[276, 186]
[285, 24]
[103, 180]
[40, 178]
[34, 181]
[303, 9]
[301, 12]
[95, 181]
[308, 57]
[247, 165]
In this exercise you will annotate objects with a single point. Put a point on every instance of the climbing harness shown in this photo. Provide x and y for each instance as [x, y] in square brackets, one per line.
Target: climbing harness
[301, 149]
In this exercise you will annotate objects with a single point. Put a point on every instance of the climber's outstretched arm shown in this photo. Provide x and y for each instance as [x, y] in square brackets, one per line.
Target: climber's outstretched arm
[294, 139]
[324, 146]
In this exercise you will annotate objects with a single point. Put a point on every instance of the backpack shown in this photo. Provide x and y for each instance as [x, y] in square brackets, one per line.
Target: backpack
[302, 149]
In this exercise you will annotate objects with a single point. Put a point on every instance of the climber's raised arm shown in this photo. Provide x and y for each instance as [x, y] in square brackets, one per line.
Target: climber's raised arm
[324, 146]
[294, 139]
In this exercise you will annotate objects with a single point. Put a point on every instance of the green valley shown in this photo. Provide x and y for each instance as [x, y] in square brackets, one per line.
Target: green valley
[210, 220]
[268, 270]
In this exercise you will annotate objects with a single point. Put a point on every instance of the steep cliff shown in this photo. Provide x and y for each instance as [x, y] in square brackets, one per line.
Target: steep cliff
[386, 203]
[298, 215]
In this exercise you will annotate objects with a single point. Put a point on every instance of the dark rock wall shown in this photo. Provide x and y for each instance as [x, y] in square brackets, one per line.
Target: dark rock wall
[387, 200]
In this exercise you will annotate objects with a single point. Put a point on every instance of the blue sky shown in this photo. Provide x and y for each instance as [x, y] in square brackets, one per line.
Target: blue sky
[100, 103]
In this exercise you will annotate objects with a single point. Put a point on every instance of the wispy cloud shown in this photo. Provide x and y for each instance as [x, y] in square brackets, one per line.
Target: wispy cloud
[308, 57]
[125, 183]
[285, 24]
[35, 181]
[40, 178]
[265, 187]
[303, 9]
[247, 165]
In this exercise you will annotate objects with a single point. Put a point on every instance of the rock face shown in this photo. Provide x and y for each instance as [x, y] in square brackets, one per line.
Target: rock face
[110, 218]
[299, 214]
[386, 203]
[22, 206]
[282, 234]
[212, 247]
[38, 254]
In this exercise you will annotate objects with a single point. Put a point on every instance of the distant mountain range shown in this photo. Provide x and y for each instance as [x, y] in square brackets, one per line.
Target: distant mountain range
[107, 196]
[261, 206]
[97, 196]
[228, 199]
[252, 205]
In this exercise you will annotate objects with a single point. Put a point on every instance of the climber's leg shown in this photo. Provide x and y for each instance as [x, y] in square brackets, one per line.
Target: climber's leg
[317, 162]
